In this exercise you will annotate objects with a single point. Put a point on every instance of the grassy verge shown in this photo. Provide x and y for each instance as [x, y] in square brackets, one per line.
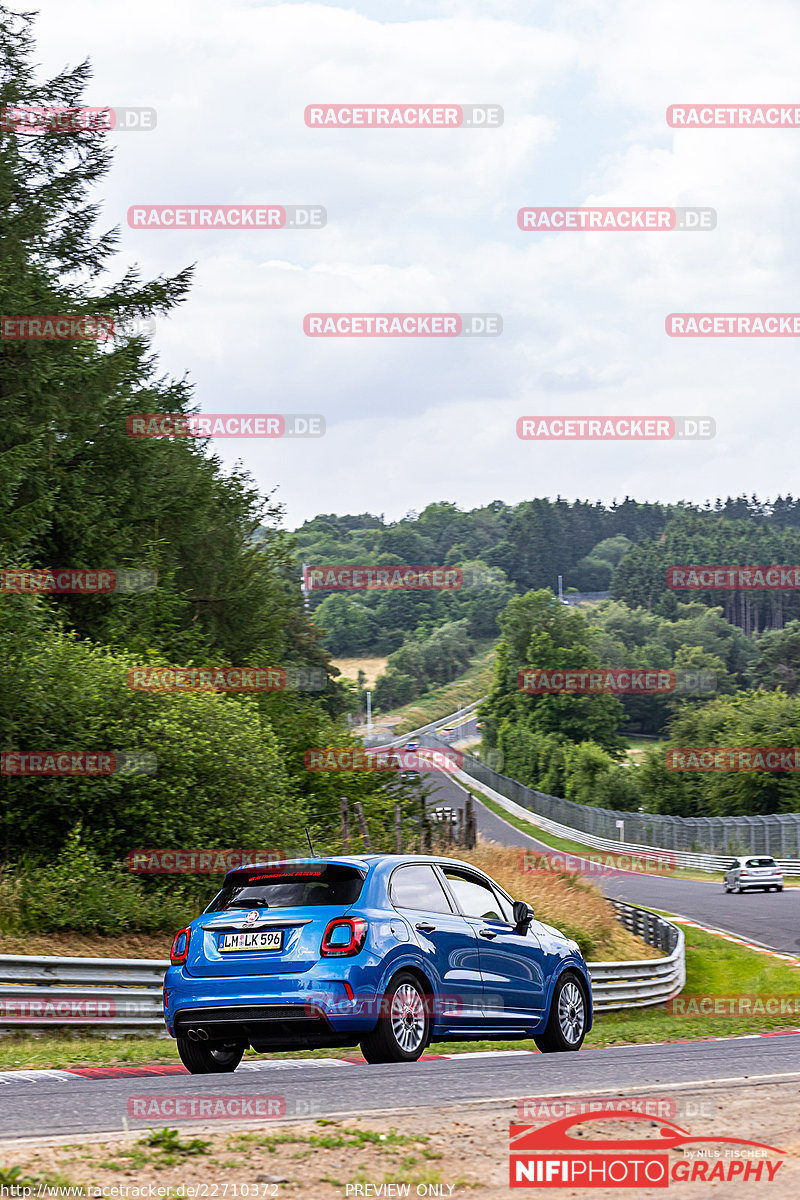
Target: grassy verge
[577, 848]
[714, 967]
[441, 701]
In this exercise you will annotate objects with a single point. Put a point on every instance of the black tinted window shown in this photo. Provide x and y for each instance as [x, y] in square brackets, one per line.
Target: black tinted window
[418, 887]
[289, 887]
[760, 862]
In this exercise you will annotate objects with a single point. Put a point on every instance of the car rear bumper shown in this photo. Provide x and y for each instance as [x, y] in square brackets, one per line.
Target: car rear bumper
[760, 881]
[282, 1007]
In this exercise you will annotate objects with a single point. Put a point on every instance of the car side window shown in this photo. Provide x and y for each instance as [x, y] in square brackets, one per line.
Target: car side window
[476, 898]
[732, 866]
[418, 887]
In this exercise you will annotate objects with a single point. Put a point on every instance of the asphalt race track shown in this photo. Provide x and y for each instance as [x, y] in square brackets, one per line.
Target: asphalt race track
[769, 918]
[35, 1104]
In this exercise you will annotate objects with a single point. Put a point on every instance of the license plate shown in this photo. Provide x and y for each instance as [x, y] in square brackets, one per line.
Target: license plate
[265, 939]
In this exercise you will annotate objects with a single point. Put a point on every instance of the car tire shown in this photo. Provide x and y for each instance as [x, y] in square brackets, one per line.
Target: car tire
[739, 889]
[403, 1027]
[209, 1058]
[779, 889]
[725, 888]
[566, 1025]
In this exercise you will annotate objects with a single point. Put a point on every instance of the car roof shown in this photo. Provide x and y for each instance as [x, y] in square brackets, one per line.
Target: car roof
[356, 860]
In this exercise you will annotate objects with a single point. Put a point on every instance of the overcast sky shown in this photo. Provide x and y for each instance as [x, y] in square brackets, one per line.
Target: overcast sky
[425, 221]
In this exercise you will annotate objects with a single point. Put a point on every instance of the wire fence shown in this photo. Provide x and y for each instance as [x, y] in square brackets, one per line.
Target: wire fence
[777, 834]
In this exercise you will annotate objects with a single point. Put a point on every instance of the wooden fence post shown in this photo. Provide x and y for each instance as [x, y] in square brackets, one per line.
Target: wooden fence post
[344, 807]
[362, 825]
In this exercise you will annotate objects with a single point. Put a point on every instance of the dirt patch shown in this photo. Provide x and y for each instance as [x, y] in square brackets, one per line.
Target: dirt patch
[78, 945]
[452, 1152]
[372, 668]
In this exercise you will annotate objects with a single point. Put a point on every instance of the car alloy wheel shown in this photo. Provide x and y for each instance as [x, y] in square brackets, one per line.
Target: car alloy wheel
[403, 1027]
[566, 1021]
[571, 1012]
[408, 1018]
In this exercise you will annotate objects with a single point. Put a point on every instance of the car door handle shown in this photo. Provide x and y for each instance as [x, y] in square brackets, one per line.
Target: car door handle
[425, 926]
[488, 933]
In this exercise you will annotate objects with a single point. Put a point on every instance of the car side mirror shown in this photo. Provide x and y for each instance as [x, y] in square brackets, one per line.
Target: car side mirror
[523, 915]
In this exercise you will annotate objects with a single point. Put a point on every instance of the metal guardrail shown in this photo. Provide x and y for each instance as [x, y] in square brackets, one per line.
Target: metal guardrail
[639, 984]
[429, 728]
[115, 995]
[97, 993]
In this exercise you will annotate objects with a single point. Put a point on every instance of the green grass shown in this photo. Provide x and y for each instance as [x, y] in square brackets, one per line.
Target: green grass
[441, 701]
[714, 966]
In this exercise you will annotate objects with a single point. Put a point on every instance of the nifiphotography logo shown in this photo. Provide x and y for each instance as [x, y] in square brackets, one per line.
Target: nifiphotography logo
[559, 1154]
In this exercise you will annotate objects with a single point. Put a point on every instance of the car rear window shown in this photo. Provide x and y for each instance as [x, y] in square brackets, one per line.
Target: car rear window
[290, 887]
[760, 862]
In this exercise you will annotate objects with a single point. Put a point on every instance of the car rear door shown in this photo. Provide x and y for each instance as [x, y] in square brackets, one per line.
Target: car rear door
[447, 940]
[515, 966]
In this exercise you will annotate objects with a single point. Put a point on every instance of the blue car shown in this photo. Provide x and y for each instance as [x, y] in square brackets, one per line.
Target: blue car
[391, 951]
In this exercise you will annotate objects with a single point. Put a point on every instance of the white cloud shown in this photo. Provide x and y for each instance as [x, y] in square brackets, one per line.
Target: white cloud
[426, 221]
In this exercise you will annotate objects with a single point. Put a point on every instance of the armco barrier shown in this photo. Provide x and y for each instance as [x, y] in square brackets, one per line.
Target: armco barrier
[653, 980]
[468, 710]
[39, 988]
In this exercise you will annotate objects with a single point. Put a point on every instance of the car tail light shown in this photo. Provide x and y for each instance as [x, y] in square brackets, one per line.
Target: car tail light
[344, 937]
[180, 947]
[743, 873]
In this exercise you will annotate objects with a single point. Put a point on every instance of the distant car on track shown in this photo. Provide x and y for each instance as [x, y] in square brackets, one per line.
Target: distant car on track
[748, 872]
[444, 814]
[391, 951]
